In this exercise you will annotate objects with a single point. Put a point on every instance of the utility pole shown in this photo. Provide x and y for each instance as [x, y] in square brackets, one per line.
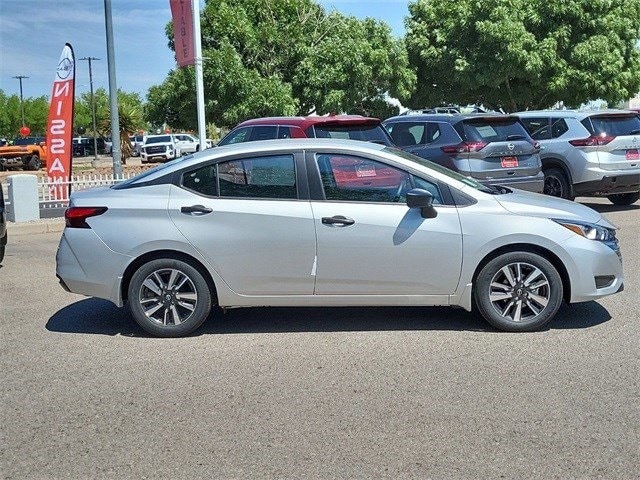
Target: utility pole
[113, 93]
[202, 133]
[20, 77]
[93, 112]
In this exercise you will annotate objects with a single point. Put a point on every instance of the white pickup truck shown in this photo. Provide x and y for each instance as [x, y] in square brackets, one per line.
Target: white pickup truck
[160, 147]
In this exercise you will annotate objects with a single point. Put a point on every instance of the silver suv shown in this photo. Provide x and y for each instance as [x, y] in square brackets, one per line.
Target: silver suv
[493, 149]
[588, 153]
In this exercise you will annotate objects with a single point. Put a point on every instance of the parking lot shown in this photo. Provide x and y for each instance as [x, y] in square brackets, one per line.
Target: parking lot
[315, 393]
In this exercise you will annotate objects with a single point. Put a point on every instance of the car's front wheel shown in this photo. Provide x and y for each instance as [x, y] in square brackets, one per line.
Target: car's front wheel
[518, 291]
[624, 198]
[169, 298]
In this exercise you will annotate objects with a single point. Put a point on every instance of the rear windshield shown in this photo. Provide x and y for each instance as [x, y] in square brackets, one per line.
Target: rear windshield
[367, 133]
[614, 125]
[161, 139]
[493, 130]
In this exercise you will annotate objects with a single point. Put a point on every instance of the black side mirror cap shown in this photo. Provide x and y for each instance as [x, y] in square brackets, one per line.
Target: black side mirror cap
[422, 199]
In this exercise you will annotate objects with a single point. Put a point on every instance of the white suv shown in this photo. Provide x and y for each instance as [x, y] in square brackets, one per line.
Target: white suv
[160, 147]
[188, 143]
[592, 153]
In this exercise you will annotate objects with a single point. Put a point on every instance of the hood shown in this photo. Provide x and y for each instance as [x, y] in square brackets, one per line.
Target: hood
[538, 205]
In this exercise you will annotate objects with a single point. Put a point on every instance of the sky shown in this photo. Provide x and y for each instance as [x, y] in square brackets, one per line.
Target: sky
[33, 33]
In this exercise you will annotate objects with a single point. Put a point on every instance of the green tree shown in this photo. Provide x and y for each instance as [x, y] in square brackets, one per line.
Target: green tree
[35, 115]
[519, 54]
[284, 57]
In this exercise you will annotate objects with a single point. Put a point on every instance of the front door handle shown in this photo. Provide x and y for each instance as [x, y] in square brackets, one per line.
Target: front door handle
[338, 220]
[196, 210]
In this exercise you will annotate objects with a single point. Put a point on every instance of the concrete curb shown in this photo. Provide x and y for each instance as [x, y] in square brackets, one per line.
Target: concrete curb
[34, 228]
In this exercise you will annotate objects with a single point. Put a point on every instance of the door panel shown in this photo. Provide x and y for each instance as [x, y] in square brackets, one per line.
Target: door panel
[388, 250]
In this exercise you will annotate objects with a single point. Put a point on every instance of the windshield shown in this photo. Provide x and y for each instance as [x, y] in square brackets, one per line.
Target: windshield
[149, 172]
[440, 169]
[160, 139]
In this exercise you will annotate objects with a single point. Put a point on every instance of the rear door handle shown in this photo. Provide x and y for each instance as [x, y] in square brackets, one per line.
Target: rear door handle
[338, 220]
[196, 210]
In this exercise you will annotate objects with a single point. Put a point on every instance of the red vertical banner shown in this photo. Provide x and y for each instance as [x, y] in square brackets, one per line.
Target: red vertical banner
[60, 124]
[181, 13]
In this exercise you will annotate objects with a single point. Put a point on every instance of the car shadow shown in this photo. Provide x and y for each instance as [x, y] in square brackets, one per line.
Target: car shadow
[610, 208]
[99, 317]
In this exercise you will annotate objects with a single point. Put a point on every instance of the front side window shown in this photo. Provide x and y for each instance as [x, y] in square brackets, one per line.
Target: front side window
[236, 136]
[357, 179]
[264, 177]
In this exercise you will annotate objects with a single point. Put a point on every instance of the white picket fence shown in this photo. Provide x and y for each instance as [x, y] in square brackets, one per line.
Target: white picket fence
[56, 194]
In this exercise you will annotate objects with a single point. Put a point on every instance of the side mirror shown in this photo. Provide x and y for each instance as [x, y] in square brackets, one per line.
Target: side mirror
[422, 199]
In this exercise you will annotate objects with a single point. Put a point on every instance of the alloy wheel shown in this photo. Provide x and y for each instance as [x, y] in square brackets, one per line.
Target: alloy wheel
[519, 292]
[168, 296]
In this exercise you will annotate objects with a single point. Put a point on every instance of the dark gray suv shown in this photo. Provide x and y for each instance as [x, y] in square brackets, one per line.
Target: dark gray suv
[494, 149]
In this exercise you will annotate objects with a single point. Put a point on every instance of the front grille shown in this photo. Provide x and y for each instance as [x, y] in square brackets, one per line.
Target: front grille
[156, 149]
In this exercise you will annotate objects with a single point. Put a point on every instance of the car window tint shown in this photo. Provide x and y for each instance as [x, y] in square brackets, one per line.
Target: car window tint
[407, 134]
[284, 132]
[236, 136]
[350, 178]
[558, 127]
[429, 187]
[264, 177]
[538, 128]
[367, 133]
[616, 125]
[264, 132]
[492, 130]
[433, 132]
[202, 181]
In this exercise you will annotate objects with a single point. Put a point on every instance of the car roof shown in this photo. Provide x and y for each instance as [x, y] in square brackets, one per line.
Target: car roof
[306, 122]
[578, 114]
[443, 117]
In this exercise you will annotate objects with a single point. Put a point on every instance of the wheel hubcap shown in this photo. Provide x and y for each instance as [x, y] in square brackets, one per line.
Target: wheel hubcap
[519, 292]
[168, 297]
[552, 186]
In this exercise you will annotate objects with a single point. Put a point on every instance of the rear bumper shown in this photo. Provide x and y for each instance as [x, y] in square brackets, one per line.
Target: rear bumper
[534, 183]
[609, 185]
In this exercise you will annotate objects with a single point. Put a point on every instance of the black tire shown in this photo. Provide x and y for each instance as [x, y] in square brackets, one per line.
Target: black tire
[2, 247]
[538, 301]
[624, 198]
[33, 163]
[556, 184]
[166, 303]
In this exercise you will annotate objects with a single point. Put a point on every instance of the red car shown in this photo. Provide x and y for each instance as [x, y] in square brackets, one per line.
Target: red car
[353, 127]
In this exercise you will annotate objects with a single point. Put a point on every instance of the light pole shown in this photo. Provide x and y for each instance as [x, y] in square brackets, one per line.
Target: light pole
[20, 77]
[93, 112]
[116, 154]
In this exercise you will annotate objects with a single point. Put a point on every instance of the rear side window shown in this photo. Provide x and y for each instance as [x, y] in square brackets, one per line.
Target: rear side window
[367, 133]
[558, 127]
[202, 181]
[490, 130]
[538, 128]
[264, 177]
[264, 132]
[614, 125]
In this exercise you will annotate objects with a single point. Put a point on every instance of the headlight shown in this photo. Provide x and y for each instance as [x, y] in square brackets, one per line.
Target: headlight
[591, 231]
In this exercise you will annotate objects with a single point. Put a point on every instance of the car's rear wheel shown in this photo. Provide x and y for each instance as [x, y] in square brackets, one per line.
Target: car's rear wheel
[518, 292]
[2, 247]
[624, 198]
[169, 297]
[556, 184]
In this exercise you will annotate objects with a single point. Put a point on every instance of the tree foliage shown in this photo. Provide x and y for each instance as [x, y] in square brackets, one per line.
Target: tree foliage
[519, 54]
[35, 115]
[284, 57]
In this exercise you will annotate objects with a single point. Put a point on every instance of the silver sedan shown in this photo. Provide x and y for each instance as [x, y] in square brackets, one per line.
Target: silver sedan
[330, 223]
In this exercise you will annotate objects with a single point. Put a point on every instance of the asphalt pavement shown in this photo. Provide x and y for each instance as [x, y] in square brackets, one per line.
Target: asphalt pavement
[314, 393]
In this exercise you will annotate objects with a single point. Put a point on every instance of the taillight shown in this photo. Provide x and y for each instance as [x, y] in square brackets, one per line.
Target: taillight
[76, 217]
[592, 141]
[464, 147]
